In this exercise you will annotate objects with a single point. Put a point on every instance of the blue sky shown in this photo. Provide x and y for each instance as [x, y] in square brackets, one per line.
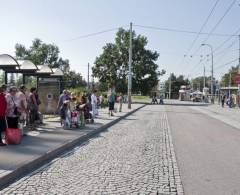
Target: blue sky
[58, 21]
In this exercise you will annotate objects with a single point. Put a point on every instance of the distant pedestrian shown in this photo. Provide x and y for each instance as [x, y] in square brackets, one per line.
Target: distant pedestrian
[154, 98]
[230, 101]
[223, 100]
[161, 100]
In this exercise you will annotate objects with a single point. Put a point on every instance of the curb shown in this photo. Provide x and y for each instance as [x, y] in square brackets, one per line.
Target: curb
[173, 104]
[48, 156]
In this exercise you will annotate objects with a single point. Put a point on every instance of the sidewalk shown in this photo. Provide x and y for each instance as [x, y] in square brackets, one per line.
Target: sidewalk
[49, 141]
[230, 116]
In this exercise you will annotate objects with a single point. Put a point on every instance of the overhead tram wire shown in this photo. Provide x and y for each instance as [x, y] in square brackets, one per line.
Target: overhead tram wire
[93, 34]
[216, 25]
[228, 39]
[225, 64]
[202, 27]
[225, 51]
[220, 20]
[181, 31]
[223, 43]
[200, 31]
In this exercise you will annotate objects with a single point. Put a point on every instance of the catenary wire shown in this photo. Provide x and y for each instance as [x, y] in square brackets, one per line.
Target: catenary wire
[216, 25]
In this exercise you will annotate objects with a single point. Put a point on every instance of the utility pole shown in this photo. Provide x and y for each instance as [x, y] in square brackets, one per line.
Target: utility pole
[210, 46]
[229, 84]
[88, 78]
[170, 86]
[130, 70]
[204, 78]
[239, 70]
[212, 100]
[239, 64]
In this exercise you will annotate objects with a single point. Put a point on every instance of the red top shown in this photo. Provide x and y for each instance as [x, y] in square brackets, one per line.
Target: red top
[3, 105]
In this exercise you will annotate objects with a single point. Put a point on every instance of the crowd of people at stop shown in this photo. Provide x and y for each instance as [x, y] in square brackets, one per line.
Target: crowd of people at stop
[18, 109]
[77, 109]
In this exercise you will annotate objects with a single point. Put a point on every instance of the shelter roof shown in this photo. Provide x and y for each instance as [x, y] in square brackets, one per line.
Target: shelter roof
[8, 62]
[27, 65]
[44, 69]
[57, 72]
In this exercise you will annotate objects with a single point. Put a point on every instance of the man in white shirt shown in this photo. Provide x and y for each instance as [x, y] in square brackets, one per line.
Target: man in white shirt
[94, 104]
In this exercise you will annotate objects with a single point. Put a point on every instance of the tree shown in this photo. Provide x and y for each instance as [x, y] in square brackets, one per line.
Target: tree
[198, 82]
[41, 53]
[111, 66]
[225, 78]
[176, 83]
[74, 80]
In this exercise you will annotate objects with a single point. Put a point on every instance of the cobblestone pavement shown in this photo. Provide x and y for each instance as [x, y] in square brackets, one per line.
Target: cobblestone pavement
[135, 156]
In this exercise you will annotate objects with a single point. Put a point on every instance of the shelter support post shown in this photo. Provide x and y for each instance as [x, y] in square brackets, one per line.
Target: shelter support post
[37, 82]
[6, 77]
[24, 79]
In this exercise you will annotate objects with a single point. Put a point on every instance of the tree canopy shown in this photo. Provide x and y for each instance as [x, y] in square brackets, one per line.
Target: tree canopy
[226, 77]
[176, 83]
[198, 82]
[111, 67]
[42, 53]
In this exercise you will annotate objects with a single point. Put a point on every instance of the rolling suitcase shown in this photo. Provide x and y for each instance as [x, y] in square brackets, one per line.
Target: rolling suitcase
[12, 135]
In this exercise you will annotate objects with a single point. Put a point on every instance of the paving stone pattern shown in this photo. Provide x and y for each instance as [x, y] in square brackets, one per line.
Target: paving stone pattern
[135, 156]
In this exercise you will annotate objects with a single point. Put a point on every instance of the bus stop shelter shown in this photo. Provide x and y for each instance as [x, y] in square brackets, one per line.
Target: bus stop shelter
[49, 80]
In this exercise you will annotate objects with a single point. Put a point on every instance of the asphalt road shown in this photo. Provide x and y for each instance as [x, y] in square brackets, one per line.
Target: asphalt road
[207, 151]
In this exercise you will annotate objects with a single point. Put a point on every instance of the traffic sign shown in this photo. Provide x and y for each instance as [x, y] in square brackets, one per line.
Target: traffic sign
[237, 79]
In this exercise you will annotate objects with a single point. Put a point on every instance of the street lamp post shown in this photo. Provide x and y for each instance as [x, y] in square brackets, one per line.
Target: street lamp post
[212, 99]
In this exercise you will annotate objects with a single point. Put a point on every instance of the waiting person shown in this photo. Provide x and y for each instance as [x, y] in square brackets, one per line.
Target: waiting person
[3, 109]
[65, 114]
[4, 88]
[101, 99]
[33, 108]
[61, 99]
[72, 103]
[12, 108]
[38, 117]
[111, 103]
[94, 104]
[23, 106]
[120, 100]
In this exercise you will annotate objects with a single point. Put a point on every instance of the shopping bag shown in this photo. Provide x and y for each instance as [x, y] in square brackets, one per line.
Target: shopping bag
[13, 136]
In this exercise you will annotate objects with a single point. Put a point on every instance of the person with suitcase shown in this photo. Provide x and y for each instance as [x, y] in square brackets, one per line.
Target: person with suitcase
[3, 109]
[13, 134]
[12, 108]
